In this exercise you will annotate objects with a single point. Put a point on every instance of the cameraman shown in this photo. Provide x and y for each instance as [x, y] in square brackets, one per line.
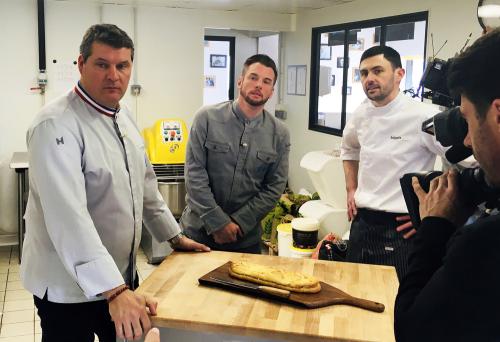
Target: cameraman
[452, 289]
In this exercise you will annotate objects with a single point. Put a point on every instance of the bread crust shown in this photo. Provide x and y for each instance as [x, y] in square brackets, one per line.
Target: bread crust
[275, 277]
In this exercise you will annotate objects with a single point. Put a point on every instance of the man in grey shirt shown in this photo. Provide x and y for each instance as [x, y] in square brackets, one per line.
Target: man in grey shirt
[236, 164]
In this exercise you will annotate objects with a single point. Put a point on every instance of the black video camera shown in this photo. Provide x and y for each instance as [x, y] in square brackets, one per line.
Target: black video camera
[450, 129]
[435, 78]
[471, 182]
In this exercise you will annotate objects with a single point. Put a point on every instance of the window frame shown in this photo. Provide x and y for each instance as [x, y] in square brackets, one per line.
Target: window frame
[346, 27]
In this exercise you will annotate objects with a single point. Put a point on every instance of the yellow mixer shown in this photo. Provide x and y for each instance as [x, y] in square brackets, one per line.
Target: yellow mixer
[166, 141]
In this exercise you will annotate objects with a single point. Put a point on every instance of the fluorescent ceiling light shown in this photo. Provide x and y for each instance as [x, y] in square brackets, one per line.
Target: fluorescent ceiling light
[489, 11]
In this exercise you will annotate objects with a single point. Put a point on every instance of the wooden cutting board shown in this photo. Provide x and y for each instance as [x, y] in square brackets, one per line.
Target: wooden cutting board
[329, 295]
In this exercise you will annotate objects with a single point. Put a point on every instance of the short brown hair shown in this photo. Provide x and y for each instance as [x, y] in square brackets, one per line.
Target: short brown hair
[475, 72]
[262, 59]
[108, 34]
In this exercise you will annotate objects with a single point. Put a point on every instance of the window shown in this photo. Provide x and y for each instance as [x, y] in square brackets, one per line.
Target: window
[336, 50]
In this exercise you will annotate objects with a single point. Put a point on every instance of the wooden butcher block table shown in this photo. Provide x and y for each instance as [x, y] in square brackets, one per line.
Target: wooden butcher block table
[185, 304]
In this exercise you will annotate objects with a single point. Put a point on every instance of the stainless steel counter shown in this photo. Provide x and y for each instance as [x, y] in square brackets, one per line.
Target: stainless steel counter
[19, 163]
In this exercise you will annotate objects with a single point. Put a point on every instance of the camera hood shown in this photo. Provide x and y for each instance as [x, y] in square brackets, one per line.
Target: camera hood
[450, 129]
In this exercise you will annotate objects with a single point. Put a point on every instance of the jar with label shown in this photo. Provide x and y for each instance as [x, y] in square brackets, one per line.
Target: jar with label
[305, 232]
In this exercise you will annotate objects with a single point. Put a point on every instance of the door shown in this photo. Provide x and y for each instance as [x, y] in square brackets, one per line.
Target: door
[218, 69]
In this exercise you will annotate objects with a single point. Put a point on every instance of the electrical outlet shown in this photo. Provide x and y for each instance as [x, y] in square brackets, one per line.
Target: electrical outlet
[135, 89]
[280, 114]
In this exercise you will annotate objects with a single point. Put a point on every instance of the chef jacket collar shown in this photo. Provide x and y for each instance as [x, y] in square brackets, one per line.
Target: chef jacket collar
[387, 107]
[243, 118]
[91, 102]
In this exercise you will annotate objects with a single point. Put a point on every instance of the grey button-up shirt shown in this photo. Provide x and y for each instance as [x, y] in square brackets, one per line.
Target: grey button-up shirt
[236, 169]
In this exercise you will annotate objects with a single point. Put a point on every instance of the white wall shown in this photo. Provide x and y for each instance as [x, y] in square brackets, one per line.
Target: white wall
[18, 66]
[448, 20]
[169, 62]
[269, 45]
[244, 47]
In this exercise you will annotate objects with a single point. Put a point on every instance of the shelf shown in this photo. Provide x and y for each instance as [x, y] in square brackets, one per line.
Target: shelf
[8, 239]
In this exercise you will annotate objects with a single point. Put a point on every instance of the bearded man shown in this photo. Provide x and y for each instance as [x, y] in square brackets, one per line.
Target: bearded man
[381, 142]
[236, 164]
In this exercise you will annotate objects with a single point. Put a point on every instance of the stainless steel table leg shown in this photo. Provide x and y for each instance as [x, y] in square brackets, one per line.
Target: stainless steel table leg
[20, 222]
[21, 200]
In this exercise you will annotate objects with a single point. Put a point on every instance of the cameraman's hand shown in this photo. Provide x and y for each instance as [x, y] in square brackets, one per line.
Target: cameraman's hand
[442, 200]
[352, 211]
[406, 226]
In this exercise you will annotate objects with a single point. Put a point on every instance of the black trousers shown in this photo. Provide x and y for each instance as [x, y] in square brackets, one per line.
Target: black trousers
[374, 240]
[78, 322]
[75, 322]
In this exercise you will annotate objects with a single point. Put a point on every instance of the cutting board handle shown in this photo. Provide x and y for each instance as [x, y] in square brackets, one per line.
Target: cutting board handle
[365, 304]
[274, 291]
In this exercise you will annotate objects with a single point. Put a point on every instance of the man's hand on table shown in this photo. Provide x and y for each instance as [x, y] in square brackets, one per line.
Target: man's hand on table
[129, 311]
[187, 244]
[228, 234]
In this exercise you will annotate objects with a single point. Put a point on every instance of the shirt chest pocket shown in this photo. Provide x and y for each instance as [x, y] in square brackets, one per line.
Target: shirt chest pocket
[216, 147]
[218, 156]
[217, 153]
[264, 161]
[267, 157]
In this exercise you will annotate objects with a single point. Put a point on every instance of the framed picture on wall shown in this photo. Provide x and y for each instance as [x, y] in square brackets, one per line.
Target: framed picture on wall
[209, 81]
[340, 62]
[356, 75]
[218, 61]
[324, 38]
[325, 52]
[360, 45]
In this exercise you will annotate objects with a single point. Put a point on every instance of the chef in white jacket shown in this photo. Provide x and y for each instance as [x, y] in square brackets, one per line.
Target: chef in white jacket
[91, 189]
[381, 142]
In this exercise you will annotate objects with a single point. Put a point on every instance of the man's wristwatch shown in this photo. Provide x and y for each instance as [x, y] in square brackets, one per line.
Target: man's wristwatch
[174, 242]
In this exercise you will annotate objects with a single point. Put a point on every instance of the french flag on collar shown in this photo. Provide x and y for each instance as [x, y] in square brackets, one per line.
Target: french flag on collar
[91, 102]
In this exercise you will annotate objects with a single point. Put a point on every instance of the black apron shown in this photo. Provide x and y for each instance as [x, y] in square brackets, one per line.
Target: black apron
[373, 239]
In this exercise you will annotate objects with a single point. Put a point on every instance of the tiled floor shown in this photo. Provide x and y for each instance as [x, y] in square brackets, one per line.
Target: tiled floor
[18, 319]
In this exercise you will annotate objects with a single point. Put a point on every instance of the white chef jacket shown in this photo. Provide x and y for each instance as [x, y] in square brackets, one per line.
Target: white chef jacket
[89, 194]
[388, 142]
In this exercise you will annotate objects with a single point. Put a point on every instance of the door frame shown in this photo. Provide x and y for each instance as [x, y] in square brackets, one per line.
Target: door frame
[232, 56]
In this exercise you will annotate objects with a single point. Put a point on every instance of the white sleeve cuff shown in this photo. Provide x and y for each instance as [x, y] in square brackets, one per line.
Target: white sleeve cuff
[349, 155]
[98, 276]
[163, 227]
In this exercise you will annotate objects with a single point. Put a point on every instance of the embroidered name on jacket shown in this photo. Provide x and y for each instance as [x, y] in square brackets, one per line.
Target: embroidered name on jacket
[393, 137]
[60, 141]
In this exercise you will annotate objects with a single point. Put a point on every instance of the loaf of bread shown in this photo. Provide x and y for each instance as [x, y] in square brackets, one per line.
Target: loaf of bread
[275, 277]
